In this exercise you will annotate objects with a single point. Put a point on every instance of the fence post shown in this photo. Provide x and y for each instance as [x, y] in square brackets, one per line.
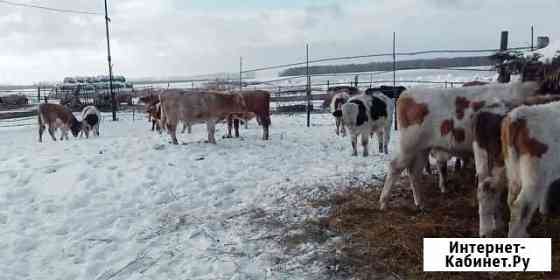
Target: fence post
[308, 90]
[356, 81]
[240, 73]
[395, 76]
[39, 95]
[504, 76]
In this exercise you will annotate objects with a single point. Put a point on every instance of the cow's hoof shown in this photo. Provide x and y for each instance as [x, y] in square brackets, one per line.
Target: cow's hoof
[382, 206]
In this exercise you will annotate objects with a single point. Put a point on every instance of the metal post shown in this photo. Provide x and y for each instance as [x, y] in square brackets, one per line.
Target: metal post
[240, 73]
[113, 97]
[532, 38]
[38, 95]
[308, 90]
[504, 76]
[356, 80]
[395, 75]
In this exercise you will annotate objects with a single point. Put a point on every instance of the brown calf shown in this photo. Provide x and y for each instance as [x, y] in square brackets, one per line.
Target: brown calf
[57, 116]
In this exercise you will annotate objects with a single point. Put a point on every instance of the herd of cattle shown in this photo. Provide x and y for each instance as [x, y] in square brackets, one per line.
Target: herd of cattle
[510, 130]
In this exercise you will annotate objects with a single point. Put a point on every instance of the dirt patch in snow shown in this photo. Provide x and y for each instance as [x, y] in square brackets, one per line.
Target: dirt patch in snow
[389, 244]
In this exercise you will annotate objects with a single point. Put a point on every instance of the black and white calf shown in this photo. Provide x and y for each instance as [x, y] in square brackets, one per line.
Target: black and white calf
[336, 109]
[90, 121]
[367, 114]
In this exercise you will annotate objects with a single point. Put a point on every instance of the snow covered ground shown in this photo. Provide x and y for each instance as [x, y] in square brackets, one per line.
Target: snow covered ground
[128, 205]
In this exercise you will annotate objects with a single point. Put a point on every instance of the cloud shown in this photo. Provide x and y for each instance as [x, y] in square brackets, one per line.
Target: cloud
[177, 37]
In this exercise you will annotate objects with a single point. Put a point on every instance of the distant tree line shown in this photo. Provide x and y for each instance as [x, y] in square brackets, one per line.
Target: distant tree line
[388, 66]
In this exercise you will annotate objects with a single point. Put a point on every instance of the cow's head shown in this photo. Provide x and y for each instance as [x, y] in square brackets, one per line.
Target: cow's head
[492, 202]
[76, 127]
[337, 113]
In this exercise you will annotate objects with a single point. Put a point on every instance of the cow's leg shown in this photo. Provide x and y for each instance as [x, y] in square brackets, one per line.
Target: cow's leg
[184, 128]
[51, 132]
[41, 131]
[457, 164]
[229, 127]
[415, 173]
[337, 123]
[342, 128]
[246, 123]
[172, 130]
[97, 129]
[153, 124]
[380, 141]
[396, 167]
[265, 130]
[365, 143]
[211, 128]
[522, 211]
[354, 140]
[442, 174]
[386, 139]
[236, 127]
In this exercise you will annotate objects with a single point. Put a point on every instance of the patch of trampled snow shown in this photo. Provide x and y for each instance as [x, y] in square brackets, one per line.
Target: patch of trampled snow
[129, 205]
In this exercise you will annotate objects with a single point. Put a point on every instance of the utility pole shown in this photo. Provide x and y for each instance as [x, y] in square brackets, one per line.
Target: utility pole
[395, 75]
[532, 38]
[113, 97]
[308, 90]
[240, 73]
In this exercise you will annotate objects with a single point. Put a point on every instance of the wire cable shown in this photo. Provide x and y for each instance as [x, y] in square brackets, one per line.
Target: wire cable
[49, 8]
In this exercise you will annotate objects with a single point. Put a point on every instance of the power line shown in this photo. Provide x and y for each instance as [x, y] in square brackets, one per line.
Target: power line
[49, 8]
[380, 55]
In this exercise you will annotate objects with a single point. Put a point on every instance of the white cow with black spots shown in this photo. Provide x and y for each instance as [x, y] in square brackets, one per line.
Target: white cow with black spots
[367, 114]
[337, 101]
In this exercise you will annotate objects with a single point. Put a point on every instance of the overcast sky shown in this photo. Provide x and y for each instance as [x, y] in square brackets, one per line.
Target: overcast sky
[180, 37]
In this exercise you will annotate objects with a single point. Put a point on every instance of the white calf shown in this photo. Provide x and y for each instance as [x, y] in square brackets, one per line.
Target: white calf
[91, 117]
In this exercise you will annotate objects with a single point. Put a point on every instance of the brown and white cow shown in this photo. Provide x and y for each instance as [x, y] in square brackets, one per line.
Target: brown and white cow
[532, 157]
[440, 119]
[57, 117]
[198, 107]
[490, 166]
[442, 157]
[258, 104]
[91, 117]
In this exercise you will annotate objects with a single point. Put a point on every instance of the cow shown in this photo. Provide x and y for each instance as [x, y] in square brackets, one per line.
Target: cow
[57, 116]
[197, 107]
[440, 119]
[531, 156]
[367, 114]
[336, 109]
[332, 91]
[154, 115]
[91, 117]
[258, 104]
[442, 157]
[488, 147]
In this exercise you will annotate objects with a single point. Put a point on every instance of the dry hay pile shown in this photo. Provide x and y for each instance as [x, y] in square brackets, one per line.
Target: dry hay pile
[390, 243]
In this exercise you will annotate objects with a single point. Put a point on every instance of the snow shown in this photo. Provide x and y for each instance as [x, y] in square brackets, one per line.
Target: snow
[129, 205]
